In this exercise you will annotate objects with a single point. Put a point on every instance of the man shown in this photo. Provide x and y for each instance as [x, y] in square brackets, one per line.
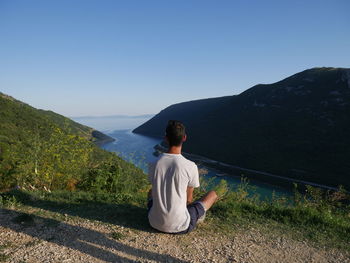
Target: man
[173, 180]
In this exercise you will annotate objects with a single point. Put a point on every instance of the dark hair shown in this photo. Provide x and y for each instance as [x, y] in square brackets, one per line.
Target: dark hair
[175, 131]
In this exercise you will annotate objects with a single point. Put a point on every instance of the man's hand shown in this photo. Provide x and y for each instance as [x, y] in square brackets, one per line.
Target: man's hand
[189, 194]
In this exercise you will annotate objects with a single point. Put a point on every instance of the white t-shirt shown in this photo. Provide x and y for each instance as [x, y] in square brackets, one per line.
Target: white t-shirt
[170, 176]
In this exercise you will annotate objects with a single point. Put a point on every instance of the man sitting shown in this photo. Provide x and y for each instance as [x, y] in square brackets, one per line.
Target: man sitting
[173, 180]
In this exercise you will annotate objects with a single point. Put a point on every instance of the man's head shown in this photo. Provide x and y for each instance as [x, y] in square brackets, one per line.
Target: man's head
[175, 133]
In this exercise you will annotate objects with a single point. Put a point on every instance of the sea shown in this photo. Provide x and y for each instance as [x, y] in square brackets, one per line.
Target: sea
[139, 150]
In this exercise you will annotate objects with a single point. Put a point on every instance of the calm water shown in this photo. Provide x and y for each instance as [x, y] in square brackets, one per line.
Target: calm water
[132, 147]
[138, 149]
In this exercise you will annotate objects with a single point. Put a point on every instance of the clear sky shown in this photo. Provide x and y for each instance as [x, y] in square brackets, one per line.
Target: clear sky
[137, 57]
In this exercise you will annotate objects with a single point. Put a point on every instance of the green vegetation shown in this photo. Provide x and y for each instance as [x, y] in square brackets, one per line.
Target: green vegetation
[317, 216]
[117, 235]
[323, 217]
[4, 257]
[44, 150]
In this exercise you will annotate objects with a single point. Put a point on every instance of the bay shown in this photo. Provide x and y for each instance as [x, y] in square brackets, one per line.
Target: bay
[139, 150]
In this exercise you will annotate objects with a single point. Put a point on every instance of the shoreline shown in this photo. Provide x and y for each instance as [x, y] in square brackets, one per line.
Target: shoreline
[100, 143]
[99, 138]
[230, 170]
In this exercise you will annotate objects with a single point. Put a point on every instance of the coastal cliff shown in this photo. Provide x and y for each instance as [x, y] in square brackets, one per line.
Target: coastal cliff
[297, 127]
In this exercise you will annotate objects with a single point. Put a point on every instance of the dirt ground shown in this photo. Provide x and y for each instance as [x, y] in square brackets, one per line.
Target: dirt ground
[43, 239]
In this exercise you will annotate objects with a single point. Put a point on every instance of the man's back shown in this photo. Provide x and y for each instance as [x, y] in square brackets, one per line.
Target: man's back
[170, 176]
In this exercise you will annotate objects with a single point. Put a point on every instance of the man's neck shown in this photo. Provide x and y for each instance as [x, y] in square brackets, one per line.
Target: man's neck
[175, 149]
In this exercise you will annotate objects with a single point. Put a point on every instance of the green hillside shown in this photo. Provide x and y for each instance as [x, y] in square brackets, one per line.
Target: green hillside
[298, 127]
[44, 150]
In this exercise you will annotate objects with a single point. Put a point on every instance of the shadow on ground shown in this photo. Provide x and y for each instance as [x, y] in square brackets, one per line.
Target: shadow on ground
[87, 241]
[123, 214]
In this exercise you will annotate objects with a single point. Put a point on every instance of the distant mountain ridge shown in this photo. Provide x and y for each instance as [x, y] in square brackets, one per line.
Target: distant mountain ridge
[298, 127]
[115, 116]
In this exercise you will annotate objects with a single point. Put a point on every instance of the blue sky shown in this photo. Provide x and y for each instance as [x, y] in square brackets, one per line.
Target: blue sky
[138, 57]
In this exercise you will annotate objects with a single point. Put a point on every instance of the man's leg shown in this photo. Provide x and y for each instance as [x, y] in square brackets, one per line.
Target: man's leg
[197, 210]
[206, 202]
[209, 199]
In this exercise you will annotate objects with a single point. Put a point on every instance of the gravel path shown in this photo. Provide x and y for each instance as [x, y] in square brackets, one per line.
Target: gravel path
[42, 239]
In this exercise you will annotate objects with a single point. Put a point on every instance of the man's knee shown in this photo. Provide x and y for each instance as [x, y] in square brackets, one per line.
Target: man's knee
[209, 199]
[213, 195]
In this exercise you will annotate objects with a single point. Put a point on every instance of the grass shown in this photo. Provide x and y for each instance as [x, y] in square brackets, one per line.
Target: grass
[4, 257]
[117, 235]
[320, 217]
[317, 216]
[102, 207]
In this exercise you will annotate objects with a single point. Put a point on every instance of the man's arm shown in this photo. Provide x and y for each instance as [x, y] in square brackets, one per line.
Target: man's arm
[189, 194]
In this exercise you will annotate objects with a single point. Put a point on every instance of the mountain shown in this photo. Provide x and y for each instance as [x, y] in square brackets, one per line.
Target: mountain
[44, 150]
[18, 114]
[298, 127]
[114, 117]
[113, 122]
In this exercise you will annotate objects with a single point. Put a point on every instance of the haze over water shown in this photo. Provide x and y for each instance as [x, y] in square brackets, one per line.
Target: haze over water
[113, 122]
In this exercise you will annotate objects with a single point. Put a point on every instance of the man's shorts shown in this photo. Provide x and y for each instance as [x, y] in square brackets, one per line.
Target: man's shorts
[195, 209]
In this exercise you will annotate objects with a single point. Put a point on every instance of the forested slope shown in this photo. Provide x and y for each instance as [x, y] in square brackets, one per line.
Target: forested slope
[45, 150]
[298, 127]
